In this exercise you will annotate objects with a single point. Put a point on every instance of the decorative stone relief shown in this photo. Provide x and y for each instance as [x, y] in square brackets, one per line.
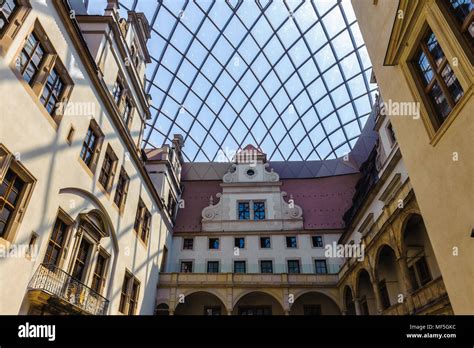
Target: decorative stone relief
[290, 210]
[271, 175]
[212, 211]
[231, 175]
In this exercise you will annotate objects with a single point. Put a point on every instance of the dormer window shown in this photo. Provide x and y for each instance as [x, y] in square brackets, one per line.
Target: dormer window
[259, 210]
[244, 211]
[251, 210]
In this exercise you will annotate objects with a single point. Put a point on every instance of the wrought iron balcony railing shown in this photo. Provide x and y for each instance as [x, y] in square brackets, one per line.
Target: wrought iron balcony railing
[57, 283]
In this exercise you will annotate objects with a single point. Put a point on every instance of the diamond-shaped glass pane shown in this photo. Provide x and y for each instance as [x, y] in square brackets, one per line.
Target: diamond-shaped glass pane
[292, 77]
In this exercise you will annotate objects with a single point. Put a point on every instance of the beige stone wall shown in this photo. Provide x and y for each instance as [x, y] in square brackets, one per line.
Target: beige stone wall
[444, 188]
[26, 130]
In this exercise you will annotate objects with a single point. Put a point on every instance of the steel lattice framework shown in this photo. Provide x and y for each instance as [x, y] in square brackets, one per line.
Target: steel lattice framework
[291, 77]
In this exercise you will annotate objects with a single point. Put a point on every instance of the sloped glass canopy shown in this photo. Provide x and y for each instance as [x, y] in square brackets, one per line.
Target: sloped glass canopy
[290, 77]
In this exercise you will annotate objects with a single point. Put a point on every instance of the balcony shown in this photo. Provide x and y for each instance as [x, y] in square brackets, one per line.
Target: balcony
[429, 294]
[56, 286]
[246, 279]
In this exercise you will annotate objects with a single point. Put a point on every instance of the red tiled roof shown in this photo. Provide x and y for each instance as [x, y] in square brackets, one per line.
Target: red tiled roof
[323, 200]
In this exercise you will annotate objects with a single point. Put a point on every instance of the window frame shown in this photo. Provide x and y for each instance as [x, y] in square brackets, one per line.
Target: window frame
[50, 62]
[99, 139]
[9, 162]
[120, 191]
[296, 241]
[260, 242]
[238, 246]
[298, 262]
[315, 261]
[244, 262]
[142, 223]
[213, 262]
[102, 278]
[218, 243]
[68, 222]
[15, 22]
[182, 262]
[110, 159]
[411, 74]
[183, 247]
[458, 28]
[261, 266]
[322, 241]
[127, 306]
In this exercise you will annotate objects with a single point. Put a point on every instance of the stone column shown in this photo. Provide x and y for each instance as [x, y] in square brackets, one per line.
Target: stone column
[357, 306]
[407, 286]
[378, 298]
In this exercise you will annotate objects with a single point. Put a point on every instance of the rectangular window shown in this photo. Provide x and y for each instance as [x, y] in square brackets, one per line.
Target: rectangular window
[129, 294]
[52, 92]
[122, 189]
[463, 13]
[30, 58]
[98, 280]
[291, 242]
[239, 242]
[266, 266]
[239, 266]
[127, 112]
[82, 257]
[117, 91]
[107, 172]
[320, 267]
[186, 267]
[89, 146]
[312, 310]
[7, 10]
[142, 222]
[259, 210]
[214, 310]
[423, 271]
[124, 293]
[293, 266]
[391, 134]
[384, 294]
[40, 67]
[244, 211]
[188, 243]
[164, 260]
[213, 243]
[11, 190]
[213, 267]
[440, 85]
[317, 241]
[56, 243]
[265, 242]
[132, 308]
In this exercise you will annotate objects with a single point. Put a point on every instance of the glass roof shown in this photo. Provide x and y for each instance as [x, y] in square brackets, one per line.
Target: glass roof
[290, 77]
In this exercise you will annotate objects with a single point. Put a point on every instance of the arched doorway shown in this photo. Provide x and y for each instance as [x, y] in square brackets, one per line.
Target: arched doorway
[422, 264]
[349, 301]
[388, 277]
[258, 303]
[201, 303]
[365, 294]
[162, 309]
[314, 303]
